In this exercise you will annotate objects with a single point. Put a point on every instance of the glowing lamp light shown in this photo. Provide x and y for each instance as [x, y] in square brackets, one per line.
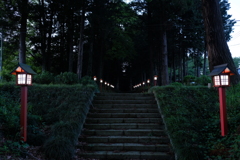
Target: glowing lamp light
[155, 77]
[221, 80]
[101, 81]
[148, 81]
[23, 74]
[143, 83]
[95, 78]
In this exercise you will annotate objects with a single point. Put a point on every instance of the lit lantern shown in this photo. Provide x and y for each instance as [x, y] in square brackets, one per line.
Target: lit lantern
[155, 80]
[23, 74]
[148, 81]
[221, 76]
[143, 83]
[95, 78]
[101, 82]
[221, 79]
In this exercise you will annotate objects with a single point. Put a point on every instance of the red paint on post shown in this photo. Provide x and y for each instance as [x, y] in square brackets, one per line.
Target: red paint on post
[223, 111]
[23, 119]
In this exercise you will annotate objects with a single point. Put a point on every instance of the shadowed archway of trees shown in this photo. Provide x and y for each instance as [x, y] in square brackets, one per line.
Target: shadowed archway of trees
[124, 44]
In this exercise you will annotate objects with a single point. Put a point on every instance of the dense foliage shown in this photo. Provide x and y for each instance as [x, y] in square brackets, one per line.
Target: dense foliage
[56, 114]
[192, 118]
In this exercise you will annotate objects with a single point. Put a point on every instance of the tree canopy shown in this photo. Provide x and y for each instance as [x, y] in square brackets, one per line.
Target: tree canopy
[121, 43]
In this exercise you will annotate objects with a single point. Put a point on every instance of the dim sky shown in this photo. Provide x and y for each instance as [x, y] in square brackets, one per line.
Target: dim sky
[234, 43]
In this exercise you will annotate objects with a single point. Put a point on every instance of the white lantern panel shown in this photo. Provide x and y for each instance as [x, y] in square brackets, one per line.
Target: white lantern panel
[216, 81]
[29, 79]
[21, 78]
[224, 80]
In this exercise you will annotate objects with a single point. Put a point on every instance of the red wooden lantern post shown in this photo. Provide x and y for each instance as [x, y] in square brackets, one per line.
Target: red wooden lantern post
[221, 79]
[23, 74]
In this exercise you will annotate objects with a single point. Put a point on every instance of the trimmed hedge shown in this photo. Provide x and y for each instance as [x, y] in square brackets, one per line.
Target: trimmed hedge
[192, 118]
[63, 108]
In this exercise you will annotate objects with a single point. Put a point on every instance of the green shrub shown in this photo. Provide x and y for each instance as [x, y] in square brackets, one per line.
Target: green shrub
[66, 78]
[176, 84]
[44, 78]
[7, 77]
[9, 113]
[59, 148]
[62, 107]
[191, 116]
[188, 79]
[192, 119]
[203, 80]
[69, 129]
[13, 148]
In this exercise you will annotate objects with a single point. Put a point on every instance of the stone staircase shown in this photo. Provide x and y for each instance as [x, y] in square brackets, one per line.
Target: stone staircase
[124, 126]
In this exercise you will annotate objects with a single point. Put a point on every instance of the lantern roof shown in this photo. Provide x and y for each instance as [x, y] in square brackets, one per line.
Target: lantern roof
[23, 68]
[221, 69]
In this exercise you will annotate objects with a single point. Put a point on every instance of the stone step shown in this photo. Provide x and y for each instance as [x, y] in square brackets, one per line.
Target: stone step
[125, 139]
[123, 115]
[124, 147]
[135, 110]
[123, 120]
[127, 155]
[125, 106]
[125, 94]
[124, 102]
[124, 126]
[124, 98]
[126, 132]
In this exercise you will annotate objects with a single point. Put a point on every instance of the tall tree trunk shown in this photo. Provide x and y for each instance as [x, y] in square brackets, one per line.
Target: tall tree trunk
[23, 30]
[42, 24]
[186, 66]
[1, 54]
[49, 43]
[174, 67]
[150, 40]
[184, 63]
[164, 60]
[90, 61]
[80, 47]
[204, 62]
[218, 51]
[70, 44]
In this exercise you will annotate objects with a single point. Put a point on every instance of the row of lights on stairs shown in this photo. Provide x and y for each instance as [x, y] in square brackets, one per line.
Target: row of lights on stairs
[101, 82]
[148, 82]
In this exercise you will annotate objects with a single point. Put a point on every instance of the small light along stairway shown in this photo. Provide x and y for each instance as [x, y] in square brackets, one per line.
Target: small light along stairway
[124, 126]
